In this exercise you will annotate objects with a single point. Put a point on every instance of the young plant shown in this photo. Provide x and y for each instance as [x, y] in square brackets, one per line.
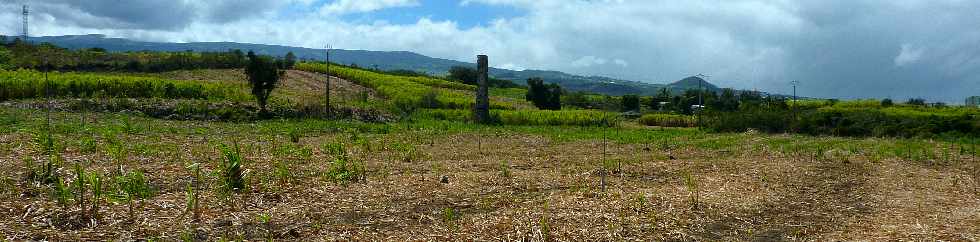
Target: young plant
[62, 193]
[282, 173]
[451, 218]
[133, 186]
[294, 135]
[231, 172]
[45, 142]
[87, 145]
[95, 181]
[80, 186]
[191, 193]
[692, 186]
[266, 220]
[505, 169]
[42, 174]
[343, 169]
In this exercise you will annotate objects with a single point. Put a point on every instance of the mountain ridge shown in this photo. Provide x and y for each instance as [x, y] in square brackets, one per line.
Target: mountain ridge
[383, 60]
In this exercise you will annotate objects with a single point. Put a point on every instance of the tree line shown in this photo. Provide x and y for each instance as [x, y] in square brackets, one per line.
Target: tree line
[19, 54]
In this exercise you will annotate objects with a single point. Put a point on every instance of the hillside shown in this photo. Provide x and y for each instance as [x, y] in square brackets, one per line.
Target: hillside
[384, 60]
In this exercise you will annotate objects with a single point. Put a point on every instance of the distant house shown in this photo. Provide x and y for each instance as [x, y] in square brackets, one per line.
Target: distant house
[973, 101]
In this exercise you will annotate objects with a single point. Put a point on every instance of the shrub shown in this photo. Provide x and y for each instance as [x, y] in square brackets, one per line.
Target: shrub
[667, 120]
[631, 103]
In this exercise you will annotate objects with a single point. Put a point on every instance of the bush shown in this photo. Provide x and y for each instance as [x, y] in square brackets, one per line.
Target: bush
[631, 103]
[667, 120]
[859, 122]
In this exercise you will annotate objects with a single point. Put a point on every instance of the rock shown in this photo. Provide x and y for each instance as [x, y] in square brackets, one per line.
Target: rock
[444, 179]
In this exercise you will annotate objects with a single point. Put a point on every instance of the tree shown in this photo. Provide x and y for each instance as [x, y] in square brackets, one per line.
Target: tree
[631, 103]
[916, 102]
[887, 102]
[263, 75]
[290, 60]
[464, 74]
[543, 96]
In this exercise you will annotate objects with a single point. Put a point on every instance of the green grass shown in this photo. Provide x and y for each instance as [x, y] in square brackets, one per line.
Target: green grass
[527, 117]
[26, 84]
[667, 120]
[408, 91]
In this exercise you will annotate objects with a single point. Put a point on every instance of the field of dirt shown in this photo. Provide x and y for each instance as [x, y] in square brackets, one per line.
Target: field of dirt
[434, 183]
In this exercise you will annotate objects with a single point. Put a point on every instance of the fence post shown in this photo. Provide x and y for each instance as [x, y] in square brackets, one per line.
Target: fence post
[481, 111]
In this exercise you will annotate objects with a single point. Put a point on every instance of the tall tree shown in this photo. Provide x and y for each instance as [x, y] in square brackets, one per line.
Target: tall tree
[263, 74]
[290, 60]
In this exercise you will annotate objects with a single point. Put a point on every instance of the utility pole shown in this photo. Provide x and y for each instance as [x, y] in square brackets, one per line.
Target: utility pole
[27, 14]
[329, 111]
[794, 83]
[701, 78]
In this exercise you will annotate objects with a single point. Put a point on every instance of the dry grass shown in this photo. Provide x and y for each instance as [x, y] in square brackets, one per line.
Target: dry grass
[750, 191]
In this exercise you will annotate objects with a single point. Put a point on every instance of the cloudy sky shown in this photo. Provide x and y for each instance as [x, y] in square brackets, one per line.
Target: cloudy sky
[835, 48]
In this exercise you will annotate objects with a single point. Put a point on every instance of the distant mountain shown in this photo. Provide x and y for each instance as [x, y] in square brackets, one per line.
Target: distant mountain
[692, 83]
[383, 60]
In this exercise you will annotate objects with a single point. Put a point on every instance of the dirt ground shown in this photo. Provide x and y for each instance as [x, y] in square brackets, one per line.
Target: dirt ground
[491, 185]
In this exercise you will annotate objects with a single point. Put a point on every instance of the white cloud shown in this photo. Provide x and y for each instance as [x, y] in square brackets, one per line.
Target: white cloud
[907, 55]
[847, 46]
[587, 61]
[341, 7]
[621, 62]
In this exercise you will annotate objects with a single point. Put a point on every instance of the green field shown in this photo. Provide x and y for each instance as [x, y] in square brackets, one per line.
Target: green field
[186, 155]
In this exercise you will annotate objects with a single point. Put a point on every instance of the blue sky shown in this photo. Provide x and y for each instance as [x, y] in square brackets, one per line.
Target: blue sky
[466, 16]
[843, 49]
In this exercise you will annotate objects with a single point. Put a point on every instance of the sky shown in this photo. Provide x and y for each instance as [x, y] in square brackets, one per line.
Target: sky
[846, 49]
